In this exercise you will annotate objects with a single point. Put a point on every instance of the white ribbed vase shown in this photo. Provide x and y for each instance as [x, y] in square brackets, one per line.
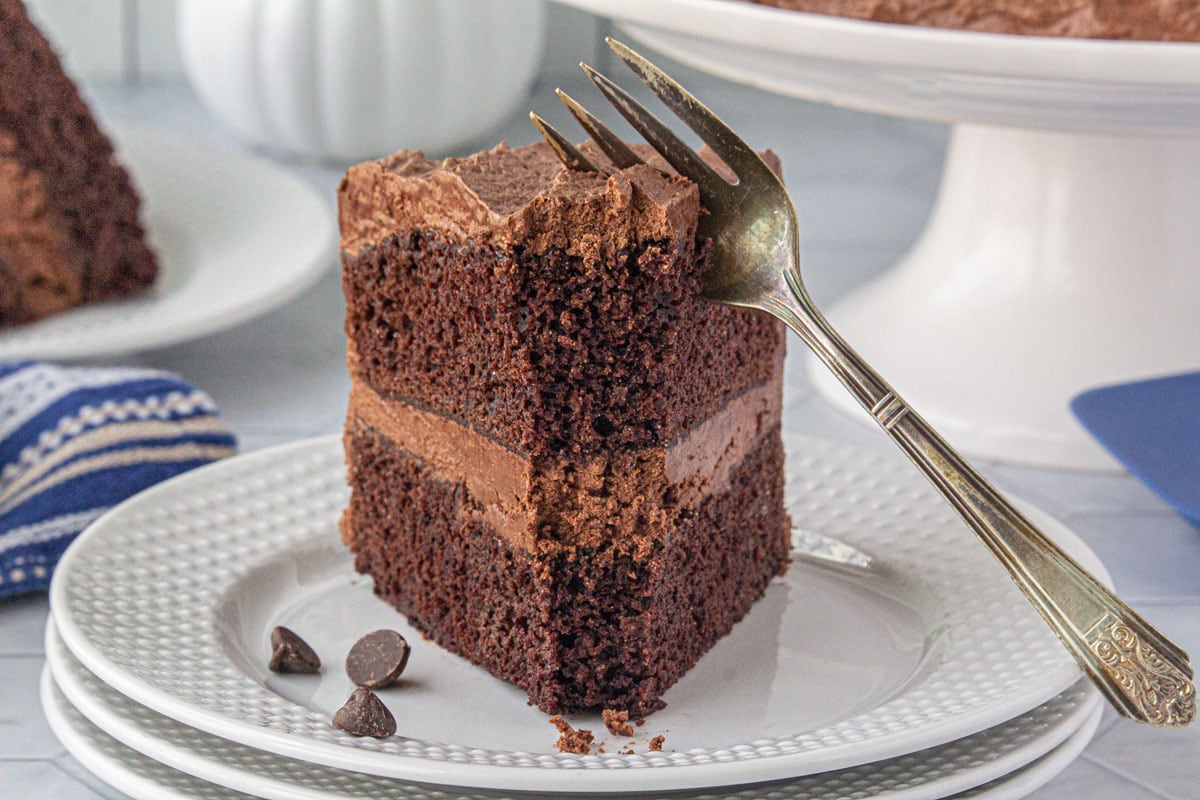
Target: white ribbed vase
[346, 80]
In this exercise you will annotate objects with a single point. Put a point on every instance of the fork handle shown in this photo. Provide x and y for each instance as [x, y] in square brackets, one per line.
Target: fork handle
[1142, 673]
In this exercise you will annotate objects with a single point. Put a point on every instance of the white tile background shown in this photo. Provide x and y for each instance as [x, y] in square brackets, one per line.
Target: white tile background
[863, 185]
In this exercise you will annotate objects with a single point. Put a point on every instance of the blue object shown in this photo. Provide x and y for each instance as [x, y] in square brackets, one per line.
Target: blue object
[75, 441]
[1153, 428]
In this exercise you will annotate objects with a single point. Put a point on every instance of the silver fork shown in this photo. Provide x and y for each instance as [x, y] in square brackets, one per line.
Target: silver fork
[754, 263]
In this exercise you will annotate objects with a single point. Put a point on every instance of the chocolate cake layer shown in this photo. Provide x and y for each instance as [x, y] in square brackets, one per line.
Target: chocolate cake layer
[561, 313]
[69, 230]
[601, 626]
[1152, 20]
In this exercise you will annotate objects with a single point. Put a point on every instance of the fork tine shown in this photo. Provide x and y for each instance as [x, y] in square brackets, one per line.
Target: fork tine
[677, 153]
[567, 153]
[617, 151]
[733, 150]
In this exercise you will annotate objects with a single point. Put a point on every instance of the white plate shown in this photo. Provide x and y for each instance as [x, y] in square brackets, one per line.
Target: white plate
[235, 236]
[169, 599]
[935, 73]
[146, 778]
[957, 766]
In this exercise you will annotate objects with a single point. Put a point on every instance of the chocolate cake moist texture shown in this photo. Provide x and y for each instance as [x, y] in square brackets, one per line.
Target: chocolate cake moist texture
[1151, 20]
[69, 230]
[564, 465]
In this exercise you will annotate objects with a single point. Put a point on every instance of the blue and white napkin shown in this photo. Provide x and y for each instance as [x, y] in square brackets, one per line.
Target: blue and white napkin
[1153, 428]
[75, 441]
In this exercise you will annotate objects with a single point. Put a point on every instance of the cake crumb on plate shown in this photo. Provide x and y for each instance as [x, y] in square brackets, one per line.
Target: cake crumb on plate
[617, 722]
[571, 740]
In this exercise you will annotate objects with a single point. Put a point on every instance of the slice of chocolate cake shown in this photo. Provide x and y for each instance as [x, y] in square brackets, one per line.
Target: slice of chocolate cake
[565, 466]
[69, 231]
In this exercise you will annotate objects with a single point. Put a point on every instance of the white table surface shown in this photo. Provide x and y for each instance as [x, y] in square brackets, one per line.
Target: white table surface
[863, 186]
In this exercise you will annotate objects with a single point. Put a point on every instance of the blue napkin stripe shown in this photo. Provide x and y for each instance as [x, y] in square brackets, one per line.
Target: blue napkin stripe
[38, 407]
[76, 441]
[114, 436]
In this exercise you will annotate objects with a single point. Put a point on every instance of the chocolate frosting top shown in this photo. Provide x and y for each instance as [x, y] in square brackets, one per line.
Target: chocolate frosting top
[509, 196]
[1165, 20]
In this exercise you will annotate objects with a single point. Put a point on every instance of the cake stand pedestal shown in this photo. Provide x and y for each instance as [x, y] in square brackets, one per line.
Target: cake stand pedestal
[1063, 249]
[1052, 262]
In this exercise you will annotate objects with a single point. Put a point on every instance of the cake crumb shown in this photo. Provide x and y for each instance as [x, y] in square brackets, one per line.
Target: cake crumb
[571, 740]
[617, 722]
[656, 743]
[626, 752]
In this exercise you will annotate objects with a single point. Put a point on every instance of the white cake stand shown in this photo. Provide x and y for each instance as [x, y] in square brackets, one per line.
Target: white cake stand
[1064, 247]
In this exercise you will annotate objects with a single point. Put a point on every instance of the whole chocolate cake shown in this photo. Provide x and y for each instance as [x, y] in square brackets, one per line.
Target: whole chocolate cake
[69, 231]
[565, 466]
[1155, 20]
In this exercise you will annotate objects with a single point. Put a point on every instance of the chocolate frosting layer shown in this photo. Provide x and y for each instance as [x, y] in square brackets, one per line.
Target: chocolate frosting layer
[507, 196]
[1153, 20]
[39, 264]
[632, 495]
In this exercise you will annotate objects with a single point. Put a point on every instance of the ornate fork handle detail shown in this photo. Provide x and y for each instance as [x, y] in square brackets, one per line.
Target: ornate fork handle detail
[1165, 696]
[1144, 675]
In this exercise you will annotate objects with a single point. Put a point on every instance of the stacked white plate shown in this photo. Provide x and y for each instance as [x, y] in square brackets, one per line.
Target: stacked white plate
[208, 214]
[923, 674]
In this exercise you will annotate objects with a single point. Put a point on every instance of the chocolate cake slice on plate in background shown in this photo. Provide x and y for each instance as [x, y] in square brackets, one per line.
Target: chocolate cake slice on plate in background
[69, 230]
[565, 465]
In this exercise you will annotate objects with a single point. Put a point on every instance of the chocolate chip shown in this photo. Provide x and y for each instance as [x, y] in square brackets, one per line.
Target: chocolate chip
[365, 715]
[290, 653]
[377, 659]
[617, 722]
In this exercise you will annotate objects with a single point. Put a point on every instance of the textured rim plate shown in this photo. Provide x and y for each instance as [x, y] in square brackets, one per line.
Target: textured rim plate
[146, 598]
[933, 73]
[799, 33]
[145, 778]
[236, 236]
[959, 765]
